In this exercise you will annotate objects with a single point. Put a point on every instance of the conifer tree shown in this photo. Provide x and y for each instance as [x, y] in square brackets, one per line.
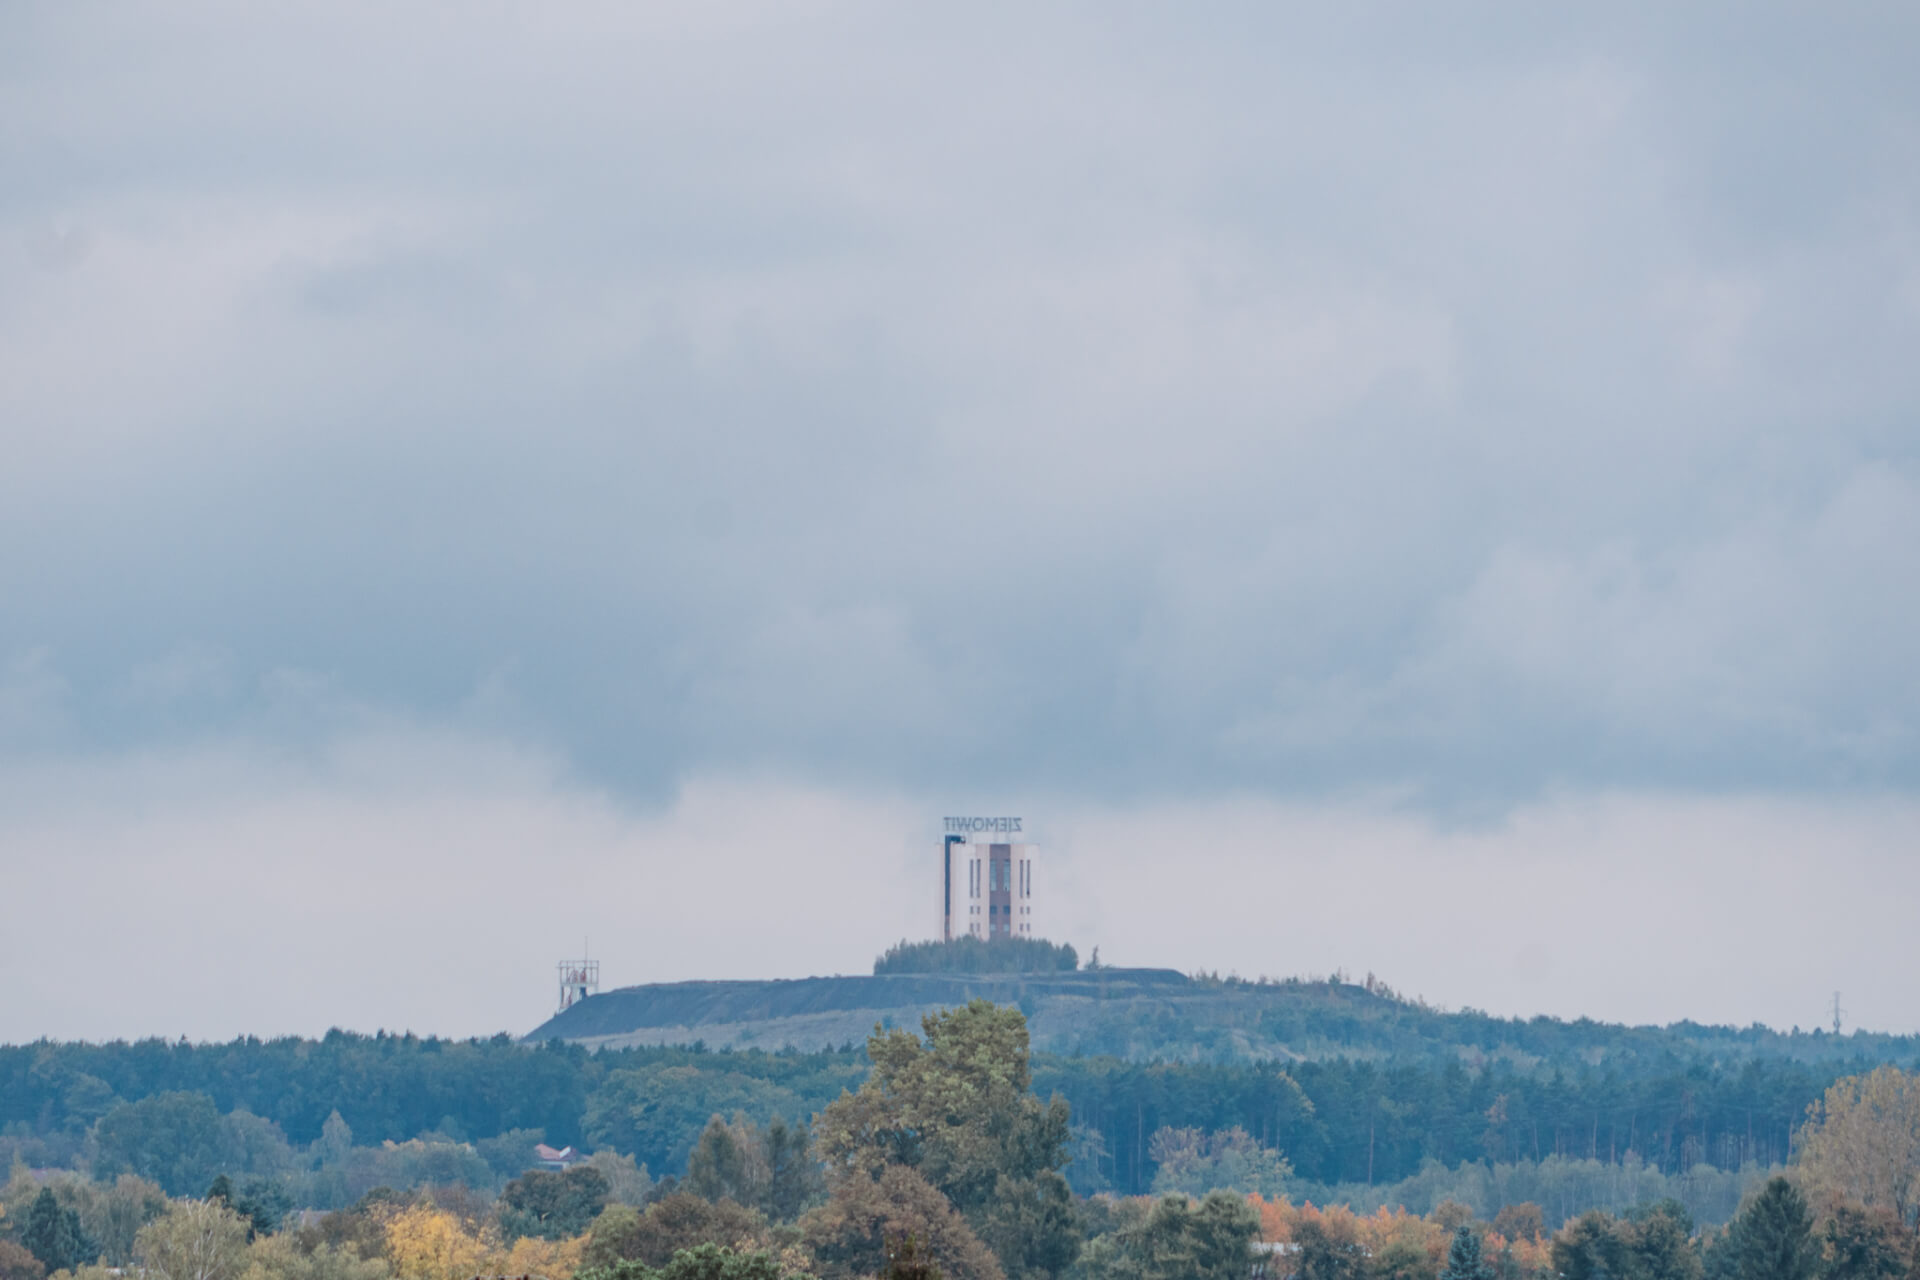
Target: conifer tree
[1771, 1239]
[53, 1234]
[1464, 1258]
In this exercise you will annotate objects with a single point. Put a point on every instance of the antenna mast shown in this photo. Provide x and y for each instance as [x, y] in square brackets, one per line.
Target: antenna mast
[1837, 1011]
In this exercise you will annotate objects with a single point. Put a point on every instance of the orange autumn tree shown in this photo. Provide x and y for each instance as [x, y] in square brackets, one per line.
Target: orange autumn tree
[1388, 1244]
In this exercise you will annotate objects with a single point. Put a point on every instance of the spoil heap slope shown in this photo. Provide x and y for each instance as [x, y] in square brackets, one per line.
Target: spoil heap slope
[814, 1013]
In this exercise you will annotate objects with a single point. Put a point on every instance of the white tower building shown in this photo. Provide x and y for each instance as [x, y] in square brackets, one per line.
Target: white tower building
[987, 878]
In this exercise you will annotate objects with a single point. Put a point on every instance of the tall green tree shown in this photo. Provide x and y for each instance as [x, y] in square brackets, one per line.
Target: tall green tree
[263, 1203]
[175, 1139]
[1177, 1238]
[770, 1169]
[728, 1164]
[1770, 1239]
[656, 1113]
[53, 1234]
[1328, 1250]
[1031, 1225]
[552, 1206]
[1653, 1242]
[1465, 1260]
[957, 1106]
[1656, 1243]
[793, 1175]
[1585, 1249]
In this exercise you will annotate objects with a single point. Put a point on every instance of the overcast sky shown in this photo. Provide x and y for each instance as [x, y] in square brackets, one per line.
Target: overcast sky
[1430, 491]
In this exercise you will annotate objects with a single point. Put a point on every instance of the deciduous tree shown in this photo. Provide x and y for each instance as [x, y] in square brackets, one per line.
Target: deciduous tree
[176, 1139]
[194, 1240]
[1196, 1161]
[729, 1163]
[114, 1213]
[427, 1243]
[1177, 1238]
[957, 1106]
[1864, 1244]
[672, 1223]
[552, 1206]
[851, 1234]
[1861, 1142]
[280, 1257]
[1524, 1221]
[16, 1263]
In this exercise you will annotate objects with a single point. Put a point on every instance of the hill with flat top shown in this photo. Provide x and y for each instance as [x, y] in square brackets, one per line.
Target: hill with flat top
[1147, 1015]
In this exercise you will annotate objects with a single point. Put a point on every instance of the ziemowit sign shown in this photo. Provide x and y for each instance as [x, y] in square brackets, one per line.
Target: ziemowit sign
[994, 826]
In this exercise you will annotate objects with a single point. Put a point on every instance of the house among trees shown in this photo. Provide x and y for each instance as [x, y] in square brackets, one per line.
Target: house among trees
[560, 1161]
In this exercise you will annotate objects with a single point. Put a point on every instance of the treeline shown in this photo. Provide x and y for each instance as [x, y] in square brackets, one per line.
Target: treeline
[1369, 1123]
[1338, 1122]
[1562, 1188]
[1233, 1020]
[968, 954]
[385, 1086]
[946, 1162]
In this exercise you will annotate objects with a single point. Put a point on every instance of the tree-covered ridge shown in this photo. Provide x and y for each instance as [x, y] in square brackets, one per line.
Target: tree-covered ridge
[384, 1087]
[1227, 1020]
[467, 1109]
[944, 1160]
[968, 954]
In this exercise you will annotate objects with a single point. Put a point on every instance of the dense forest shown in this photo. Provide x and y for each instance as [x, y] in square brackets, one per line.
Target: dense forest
[943, 1153]
[1365, 1122]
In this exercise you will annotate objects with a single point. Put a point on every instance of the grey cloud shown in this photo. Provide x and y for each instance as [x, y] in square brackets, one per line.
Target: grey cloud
[1304, 404]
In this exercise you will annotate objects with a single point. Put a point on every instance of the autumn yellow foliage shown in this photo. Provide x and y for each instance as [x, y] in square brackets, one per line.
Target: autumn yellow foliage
[425, 1243]
[429, 1243]
[1861, 1142]
[555, 1259]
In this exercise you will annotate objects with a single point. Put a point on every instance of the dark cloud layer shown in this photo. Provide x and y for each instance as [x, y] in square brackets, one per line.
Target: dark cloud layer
[1097, 400]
